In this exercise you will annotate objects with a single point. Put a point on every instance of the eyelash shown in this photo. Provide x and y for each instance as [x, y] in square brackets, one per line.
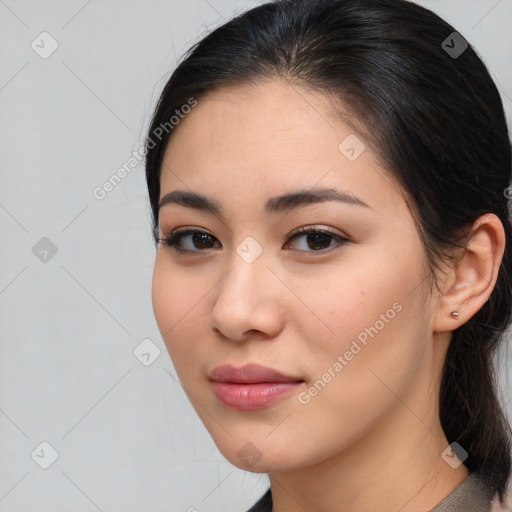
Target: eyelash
[173, 239]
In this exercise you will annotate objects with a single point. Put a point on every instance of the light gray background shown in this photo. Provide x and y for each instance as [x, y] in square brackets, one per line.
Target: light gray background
[126, 436]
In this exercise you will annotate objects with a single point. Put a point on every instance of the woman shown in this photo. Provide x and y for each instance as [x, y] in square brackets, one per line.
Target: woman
[327, 182]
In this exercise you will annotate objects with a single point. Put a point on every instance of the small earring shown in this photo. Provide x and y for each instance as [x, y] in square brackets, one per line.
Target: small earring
[454, 315]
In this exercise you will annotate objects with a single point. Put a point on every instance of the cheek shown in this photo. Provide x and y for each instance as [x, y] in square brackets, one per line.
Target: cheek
[179, 308]
[370, 316]
[163, 296]
[342, 304]
[345, 397]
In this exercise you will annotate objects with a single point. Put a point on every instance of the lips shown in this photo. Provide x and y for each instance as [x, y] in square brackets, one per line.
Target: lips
[249, 374]
[251, 387]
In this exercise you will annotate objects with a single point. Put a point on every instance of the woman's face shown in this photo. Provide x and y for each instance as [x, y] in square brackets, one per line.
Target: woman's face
[341, 313]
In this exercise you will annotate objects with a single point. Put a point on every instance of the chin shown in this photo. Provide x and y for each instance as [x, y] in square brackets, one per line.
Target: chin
[268, 463]
[263, 456]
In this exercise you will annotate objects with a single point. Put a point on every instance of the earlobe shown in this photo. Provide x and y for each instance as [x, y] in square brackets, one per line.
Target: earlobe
[473, 275]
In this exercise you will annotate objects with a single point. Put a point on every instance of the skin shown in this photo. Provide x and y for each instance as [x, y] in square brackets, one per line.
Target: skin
[374, 429]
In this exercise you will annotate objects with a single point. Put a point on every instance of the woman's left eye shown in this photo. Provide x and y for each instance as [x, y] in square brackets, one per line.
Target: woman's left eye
[317, 239]
[310, 240]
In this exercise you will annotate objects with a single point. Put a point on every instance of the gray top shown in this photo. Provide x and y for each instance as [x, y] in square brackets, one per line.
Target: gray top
[471, 494]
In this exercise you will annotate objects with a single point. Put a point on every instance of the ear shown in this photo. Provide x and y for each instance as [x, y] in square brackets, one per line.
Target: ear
[472, 277]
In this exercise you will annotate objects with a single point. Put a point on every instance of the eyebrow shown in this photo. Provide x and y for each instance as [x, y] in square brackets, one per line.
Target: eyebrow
[282, 203]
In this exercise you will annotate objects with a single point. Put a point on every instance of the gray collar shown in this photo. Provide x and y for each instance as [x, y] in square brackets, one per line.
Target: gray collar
[471, 494]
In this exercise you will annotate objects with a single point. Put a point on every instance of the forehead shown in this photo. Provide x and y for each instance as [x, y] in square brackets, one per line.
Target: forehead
[270, 136]
[265, 119]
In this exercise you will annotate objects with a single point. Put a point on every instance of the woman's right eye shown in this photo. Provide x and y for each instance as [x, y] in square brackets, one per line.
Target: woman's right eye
[189, 241]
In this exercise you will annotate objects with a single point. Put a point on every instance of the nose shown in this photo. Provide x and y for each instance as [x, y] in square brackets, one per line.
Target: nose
[248, 302]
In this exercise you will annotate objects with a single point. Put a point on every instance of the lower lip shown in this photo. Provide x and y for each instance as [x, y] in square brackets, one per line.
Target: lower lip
[251, 397]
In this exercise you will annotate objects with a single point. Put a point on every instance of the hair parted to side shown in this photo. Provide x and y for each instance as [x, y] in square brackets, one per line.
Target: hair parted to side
[437, 122]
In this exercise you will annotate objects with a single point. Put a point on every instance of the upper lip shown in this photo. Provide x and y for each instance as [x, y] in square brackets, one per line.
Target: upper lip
[249, 374]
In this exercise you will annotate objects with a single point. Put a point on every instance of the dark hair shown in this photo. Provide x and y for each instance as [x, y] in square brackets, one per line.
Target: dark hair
[436, 120]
